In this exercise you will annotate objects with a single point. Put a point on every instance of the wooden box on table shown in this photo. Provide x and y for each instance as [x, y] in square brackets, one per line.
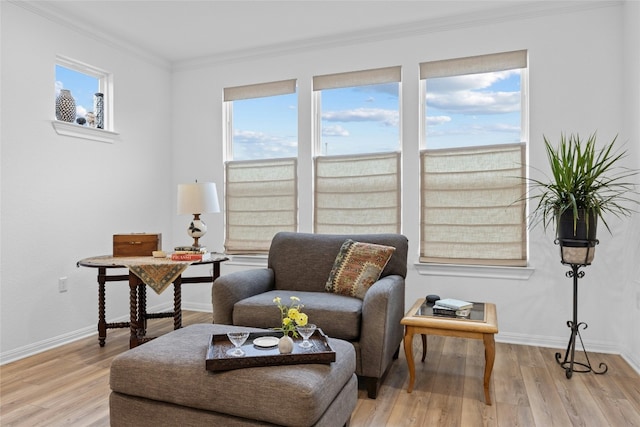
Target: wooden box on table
[136, 244]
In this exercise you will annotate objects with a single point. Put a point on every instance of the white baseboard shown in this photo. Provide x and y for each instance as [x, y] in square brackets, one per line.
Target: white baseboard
[507, 338]
[195, 306]
[50, 343]
[561, 343]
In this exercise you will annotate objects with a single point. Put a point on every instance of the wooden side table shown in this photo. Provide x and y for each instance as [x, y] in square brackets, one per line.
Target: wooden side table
[138, 315]
[420, 320]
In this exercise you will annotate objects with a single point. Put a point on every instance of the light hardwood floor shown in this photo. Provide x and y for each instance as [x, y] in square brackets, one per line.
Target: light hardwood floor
[69, 386]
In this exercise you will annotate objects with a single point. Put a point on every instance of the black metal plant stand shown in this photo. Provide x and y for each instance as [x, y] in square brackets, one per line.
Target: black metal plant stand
[568, 362]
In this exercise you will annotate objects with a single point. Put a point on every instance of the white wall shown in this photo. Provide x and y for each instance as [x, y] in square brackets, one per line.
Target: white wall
[630, 337]
[62, 197]
[576, 64]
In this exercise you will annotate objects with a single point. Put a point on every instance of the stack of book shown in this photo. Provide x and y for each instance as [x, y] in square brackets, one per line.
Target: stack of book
[452, 307]
[193, 254]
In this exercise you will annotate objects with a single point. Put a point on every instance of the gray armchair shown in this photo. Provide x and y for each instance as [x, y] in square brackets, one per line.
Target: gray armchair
[299, 265]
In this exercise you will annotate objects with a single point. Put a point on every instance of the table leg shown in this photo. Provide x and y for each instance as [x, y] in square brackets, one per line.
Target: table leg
[408, 351]
[424, 346]
[489, 358]
[142, 308]
[177, 303]
[133, 310]
[102, 323]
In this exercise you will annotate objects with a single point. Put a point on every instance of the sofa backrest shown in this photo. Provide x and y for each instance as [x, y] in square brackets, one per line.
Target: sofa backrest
[303, 261]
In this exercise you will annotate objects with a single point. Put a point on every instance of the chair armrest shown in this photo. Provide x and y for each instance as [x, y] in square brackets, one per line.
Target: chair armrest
[381, 331]
[231, 288]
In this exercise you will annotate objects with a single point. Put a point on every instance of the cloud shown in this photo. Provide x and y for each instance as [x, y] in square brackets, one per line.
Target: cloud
[59, 87]
[468, 95]
[437, 120]
[469, 102]
[81, 111]
[468, 82]
[370, 99]
[386, 117]
[259, 145]
[334, 130]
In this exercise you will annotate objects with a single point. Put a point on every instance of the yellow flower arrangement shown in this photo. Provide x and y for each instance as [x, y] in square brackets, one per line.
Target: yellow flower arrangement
[291, 315]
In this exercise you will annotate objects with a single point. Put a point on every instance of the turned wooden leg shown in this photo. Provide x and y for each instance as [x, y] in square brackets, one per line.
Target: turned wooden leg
[133, 310]
[102, 323]
[177, 303]
[408, 351]
[489, 358]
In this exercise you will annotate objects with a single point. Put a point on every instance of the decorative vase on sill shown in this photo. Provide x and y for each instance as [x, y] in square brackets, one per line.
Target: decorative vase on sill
[65, 106]
[285, 344]
[98, 109]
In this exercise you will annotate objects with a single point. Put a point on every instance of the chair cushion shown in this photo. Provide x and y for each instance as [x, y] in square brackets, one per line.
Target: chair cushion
[357, 267]
[338, 316]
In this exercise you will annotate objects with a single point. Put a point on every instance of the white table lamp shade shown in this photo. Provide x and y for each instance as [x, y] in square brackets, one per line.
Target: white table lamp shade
[197, 198]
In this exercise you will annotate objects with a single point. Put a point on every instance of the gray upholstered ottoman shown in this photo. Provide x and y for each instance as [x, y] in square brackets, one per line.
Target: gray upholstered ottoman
[164, 383]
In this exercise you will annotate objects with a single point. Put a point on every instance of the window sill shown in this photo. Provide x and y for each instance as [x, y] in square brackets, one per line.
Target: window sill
[249, 260]
[493, 272]
[84, 132]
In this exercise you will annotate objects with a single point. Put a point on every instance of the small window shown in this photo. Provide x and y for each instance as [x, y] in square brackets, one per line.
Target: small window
[89, 87]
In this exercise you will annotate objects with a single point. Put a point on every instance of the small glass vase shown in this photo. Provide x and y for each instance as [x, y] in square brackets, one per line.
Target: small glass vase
[285, 344]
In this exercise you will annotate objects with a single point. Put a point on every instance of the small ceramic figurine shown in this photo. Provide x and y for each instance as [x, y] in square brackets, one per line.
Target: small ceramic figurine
[91, 119]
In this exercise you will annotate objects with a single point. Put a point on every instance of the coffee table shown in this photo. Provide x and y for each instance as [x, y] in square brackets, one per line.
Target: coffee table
[482, 325]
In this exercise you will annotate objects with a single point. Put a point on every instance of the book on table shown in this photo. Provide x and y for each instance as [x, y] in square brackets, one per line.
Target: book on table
[191, 256]
[442, 311]
[453, 304]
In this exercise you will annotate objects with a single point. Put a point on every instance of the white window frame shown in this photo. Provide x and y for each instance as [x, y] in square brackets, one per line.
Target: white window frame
[346, 80]
[260, 245]
[105, 86]
[472, 65]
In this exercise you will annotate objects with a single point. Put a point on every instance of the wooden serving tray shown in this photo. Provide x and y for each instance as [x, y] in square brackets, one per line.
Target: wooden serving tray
[219, 360]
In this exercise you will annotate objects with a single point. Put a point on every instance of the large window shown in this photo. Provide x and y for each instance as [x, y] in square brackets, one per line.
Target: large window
[472, 162]
[261, 166]
[357, 163]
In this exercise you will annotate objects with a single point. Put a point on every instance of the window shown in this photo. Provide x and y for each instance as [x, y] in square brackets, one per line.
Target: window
[472, 162]
[261, 167]
[357, 169]
[83, 82]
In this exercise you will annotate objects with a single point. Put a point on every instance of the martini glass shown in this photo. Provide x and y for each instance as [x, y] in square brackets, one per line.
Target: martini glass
[306, 331]
[237, 339]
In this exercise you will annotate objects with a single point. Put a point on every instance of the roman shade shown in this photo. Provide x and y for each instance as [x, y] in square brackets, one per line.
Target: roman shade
[261, 200]
[471, 212]
[357, 193]
[260, 90]
[357, 78]
[474, 64]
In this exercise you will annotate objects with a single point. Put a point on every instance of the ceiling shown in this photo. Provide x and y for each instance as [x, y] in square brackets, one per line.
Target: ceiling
[181, 30]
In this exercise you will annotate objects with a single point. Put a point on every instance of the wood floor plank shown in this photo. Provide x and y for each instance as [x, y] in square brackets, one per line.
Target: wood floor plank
[69, 386]
[475, 412]
[546, 405]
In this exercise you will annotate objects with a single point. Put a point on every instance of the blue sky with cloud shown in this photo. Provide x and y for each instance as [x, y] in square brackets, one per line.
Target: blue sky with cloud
[478, 109]
[82, 88]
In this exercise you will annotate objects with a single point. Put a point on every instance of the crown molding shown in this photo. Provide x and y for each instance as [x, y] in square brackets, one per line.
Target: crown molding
[522, 10]
[44, 10]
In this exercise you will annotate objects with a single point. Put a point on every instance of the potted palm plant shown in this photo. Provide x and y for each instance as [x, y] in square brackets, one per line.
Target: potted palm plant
[586, 185]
